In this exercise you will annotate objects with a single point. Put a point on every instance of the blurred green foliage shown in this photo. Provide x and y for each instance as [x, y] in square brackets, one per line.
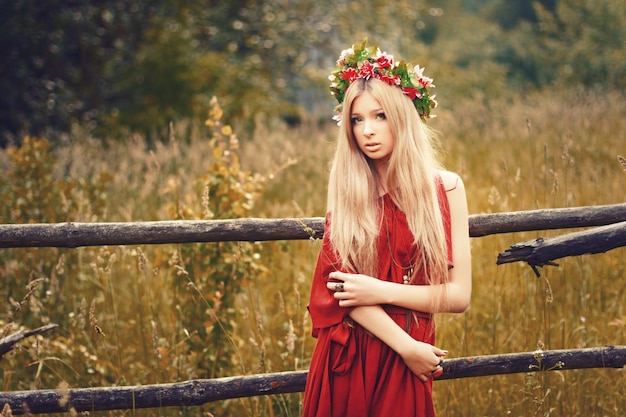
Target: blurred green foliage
[116, 67]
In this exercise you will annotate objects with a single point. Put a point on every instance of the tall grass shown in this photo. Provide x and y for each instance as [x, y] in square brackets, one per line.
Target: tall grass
[538, 152]
[142, 315]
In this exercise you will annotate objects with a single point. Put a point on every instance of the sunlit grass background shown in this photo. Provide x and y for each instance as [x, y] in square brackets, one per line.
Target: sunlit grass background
[156, 314]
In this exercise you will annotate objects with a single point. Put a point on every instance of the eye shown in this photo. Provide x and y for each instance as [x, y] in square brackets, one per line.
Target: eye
[356, 120]
[381, 116]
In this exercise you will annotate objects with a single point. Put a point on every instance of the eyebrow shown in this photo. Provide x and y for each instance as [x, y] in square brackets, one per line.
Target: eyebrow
[379, 110]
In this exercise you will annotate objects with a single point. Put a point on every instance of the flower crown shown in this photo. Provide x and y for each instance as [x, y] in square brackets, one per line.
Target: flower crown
[365, 62]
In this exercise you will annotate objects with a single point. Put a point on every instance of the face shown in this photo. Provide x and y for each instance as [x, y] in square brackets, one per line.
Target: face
[371, 128]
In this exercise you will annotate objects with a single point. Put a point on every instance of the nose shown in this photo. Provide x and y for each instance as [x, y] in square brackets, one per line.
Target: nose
[368, 127]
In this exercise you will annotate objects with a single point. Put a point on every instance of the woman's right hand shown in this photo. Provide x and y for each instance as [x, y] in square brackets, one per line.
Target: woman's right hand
[356, 289]
[424, 360]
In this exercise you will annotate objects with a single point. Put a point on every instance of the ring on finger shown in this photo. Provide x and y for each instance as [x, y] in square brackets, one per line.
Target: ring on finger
[438, 367]
[339, 287]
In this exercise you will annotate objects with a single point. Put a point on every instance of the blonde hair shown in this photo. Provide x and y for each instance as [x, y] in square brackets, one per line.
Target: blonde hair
[353, 187]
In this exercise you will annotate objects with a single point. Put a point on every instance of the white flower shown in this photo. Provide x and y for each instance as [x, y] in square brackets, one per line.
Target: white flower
[418, 71]
[337, 117]
[344, 54]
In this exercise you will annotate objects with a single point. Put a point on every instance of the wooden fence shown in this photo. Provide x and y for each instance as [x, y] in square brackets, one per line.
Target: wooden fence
[607, 231]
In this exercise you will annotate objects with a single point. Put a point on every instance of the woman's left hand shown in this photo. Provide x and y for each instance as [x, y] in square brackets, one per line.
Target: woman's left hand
[355, 289]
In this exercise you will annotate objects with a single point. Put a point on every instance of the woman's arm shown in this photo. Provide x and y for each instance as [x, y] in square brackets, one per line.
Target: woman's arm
[421, 358]
[362, 290]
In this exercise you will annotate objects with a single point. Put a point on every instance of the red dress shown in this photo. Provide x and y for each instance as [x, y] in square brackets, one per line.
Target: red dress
[353, 373]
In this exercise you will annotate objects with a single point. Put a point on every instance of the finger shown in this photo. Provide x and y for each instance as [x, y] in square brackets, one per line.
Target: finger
[439, 352]
[336, 286]
[345, 302]
[337, 275]
[438, 372]
[338, 296]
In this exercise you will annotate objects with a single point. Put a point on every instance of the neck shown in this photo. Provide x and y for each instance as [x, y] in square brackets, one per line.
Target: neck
[381, 174]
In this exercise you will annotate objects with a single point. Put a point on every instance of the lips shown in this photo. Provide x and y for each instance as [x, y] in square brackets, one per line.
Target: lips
[372, 147]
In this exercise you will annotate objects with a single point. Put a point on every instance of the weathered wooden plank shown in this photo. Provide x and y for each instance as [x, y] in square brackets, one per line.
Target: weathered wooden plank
[187, 393]
[7, 343]
[199, 392]
[541, 360]
[73, 235]
[543, 251]
[546, 219]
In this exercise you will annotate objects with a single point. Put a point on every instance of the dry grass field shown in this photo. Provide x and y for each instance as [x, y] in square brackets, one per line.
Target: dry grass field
[167, 313]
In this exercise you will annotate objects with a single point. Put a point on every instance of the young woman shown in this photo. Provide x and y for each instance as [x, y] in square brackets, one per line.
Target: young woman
[395, 248]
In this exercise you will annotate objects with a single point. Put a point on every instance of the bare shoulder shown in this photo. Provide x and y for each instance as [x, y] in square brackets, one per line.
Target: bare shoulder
[451, 181]
[455, 190]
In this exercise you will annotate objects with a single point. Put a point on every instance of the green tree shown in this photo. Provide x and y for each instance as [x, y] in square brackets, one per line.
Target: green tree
[138, 66]
[115, 67]
[60, 60]
[583, 42]
[510, 13]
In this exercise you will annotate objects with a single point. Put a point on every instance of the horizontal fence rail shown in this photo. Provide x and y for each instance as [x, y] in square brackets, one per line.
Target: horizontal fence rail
[73, 235]
[198, 392]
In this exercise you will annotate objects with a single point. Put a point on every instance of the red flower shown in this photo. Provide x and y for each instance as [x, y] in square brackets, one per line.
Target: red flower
[385, 61]
[393, 80]
[425, 81]
[367, 70]
[412, 92]
[349, 74]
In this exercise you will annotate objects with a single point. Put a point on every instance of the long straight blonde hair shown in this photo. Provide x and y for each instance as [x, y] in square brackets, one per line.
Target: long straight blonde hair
[353, 199]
